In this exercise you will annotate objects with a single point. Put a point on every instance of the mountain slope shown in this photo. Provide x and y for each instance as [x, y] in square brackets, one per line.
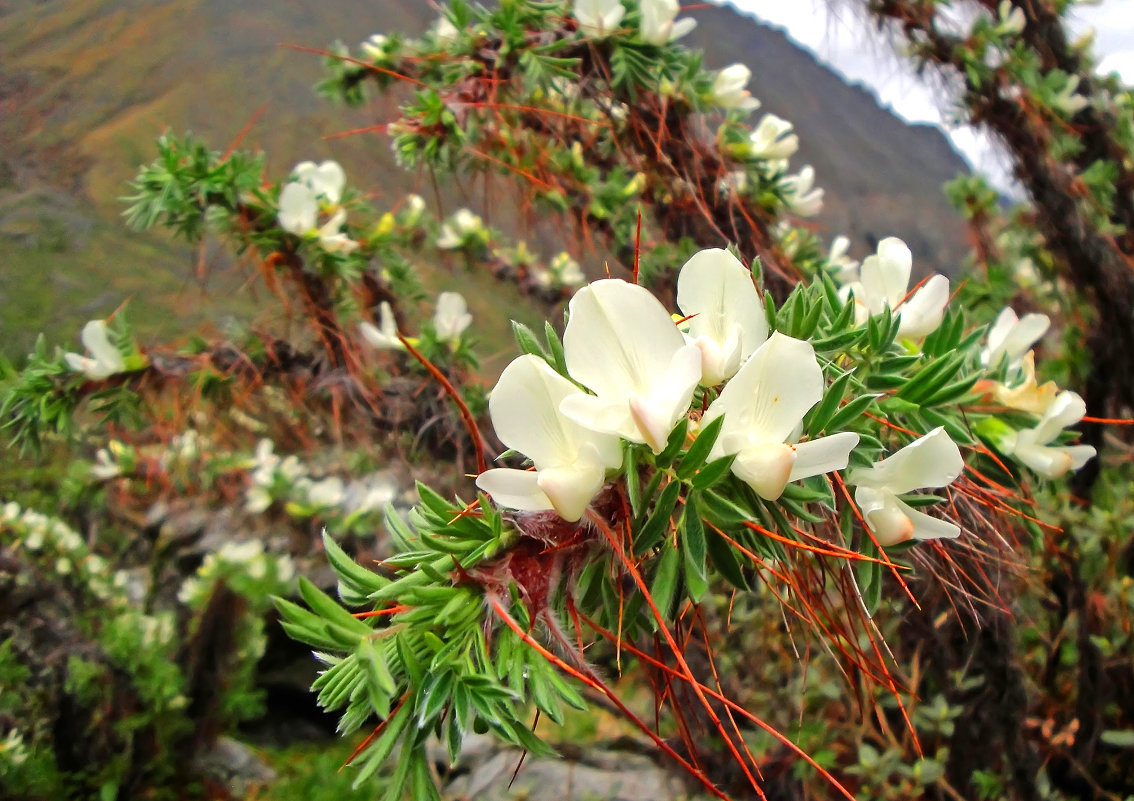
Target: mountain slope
[85, 88]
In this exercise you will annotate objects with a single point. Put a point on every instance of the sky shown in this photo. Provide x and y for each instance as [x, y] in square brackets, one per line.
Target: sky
[852, 47]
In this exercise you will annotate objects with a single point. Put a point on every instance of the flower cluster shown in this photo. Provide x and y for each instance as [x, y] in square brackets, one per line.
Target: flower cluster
[641, 373]
[658, 19]
[316, 190]
[1009, 351]
[344, 505]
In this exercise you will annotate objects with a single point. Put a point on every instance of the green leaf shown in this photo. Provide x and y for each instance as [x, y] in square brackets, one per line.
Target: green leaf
[557, 359]
[657, 524]
[851, 411]
[355, 581]
[713, 472]
[724, 559]
[693, 548]
[830, 403]
[664, 587]
[673, 444]
[698, 452]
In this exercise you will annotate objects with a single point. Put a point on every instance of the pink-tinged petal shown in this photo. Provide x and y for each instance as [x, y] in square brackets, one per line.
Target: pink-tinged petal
[681, 27]
[716, 291]
[772, 392]
[619, 339]
[882, 513]
[824, 455]
[571, 488]
[766, 468]
[514, 489]
[524, 407]
[927, 527]
[930, 461]
[923, 312]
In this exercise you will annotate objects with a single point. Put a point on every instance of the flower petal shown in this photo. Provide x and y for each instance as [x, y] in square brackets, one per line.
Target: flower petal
[524, 407]
[619, 339]
[570, 489]
[298, 208]
[930, 461]
[882, 513]
[766, 468]
[514, 489]
[772, 392]
[886, 275]
[923, 312]
[96, 339]
[818, 456]
[716, 291]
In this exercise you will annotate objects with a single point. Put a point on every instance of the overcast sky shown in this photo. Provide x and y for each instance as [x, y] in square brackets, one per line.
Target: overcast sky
[851, 47]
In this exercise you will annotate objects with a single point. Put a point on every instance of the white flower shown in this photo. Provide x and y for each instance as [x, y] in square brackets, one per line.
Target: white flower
[1011, 337]
[885, 278]
[729, 89]
[299, 202]
[1011, 20]
[571, 461]
[374, 48]
[385, 336]
[369, 494]
[727, 320]
[622, 345]
[299, 209]
[105, 467]
[1067, 101]
[457, 229]
[257, 500]
[1032, 446]
[763, 405]
[331, 237]
[105, 359]
[659, 24]
[325, 180]
[930, 461]
[445, 31]
[566, 270]
[846, 268]
[800, 193]
[326, 492]
[598, 18]
[772, 139]
[412, 210]
[451, 317]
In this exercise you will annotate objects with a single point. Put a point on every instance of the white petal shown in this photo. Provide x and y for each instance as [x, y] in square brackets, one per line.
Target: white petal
[298, 208]
[1066, 410]
[379, 338]
[514, 489]
[619, 339]
[716, 291]
[884, 516]
[570, 489]
[885, 276]
[657, 414]
[766, 468]
[923, 312]
[96, 339]
[930, 461]
[927, 527]
[681, 27]
[327, 180]
[818, 456]
[1023, 335]
[772, 392]
[524, 407]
